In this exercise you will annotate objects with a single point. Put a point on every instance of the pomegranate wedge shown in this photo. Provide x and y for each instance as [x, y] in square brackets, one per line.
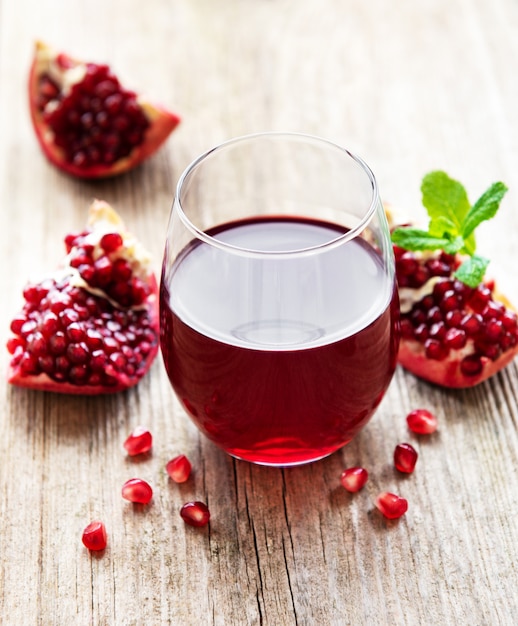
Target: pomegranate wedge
[86, 122]
[451, 334]
[456, 329]
[92, 326]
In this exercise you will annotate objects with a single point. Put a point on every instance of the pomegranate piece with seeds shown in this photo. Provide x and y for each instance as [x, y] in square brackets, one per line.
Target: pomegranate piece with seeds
[405, 458]
[354, 478]
[137, 490]
[452, 334]
[90, 327]
[421, 422]
[179, 468]
[195, 513]
[457, 330]
[391, 505]
[86, 122]
[94, 536]
[139, 441]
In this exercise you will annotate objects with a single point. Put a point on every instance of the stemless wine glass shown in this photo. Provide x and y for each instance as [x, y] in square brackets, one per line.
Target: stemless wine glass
[279, 312]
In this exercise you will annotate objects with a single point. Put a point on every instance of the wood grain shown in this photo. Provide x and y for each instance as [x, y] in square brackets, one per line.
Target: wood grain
[409, 86]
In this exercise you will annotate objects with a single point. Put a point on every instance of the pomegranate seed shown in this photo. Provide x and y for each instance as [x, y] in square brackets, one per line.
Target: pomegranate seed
[440, 288]
[405, 458]
[493, 310]
[179, 468]
[139, 441]
[471, 365]
[137, 490]
[487, 348]
[418, 317]
[195, 513]
[111, 242]
[494, 330]
[437, 330]
[479, 298]
[94, 536]
[422, 333]
[407, 329]
[421, 421]
[509, 320]
[449, 302]
[453, 318]
[455, 338]
[407, 263]
[435, 350]
[103, 271]
[434, 315]
[354, 478]
[508, 341]
[421, 275]
[14, 344]
[437, 267]
[391, 505]
[471, 323]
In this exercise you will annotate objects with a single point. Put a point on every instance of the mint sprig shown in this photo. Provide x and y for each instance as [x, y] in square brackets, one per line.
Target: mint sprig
[453, 221]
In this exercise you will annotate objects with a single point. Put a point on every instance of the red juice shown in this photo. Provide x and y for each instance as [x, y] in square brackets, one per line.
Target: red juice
[283, 360]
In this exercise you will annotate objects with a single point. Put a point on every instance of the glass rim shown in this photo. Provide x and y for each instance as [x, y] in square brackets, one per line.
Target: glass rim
[352, 233]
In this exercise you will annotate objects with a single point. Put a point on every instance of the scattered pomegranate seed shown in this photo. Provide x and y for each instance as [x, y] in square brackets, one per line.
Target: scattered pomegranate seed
[422, 422]
[94, 536]
[139, 441]
[405, 458]
[391, 505]
[195, 513]
[179, 468]
[354, 478]
[137, 490]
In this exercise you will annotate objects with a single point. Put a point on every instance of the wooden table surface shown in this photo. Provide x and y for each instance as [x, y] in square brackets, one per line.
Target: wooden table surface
[411, 87]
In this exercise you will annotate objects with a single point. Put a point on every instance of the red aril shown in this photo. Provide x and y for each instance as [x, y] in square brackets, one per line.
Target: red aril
[87, 123]
[139, 441]
[391, 505]
[422, 422]
[354, 478]
[405, 458]
[137, 490]
[94, 536]
[179, 468]
[91, 327]
[195, 513]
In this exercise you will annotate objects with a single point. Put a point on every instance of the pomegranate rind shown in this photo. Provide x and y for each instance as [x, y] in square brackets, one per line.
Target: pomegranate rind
[42, 382]
[162, 123]
[102, 218]
[447, 373]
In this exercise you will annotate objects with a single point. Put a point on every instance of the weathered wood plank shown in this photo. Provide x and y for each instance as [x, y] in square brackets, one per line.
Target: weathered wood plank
[429, 85]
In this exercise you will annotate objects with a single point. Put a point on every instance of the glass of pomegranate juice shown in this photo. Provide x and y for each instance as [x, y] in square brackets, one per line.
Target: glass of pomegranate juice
[279, 312]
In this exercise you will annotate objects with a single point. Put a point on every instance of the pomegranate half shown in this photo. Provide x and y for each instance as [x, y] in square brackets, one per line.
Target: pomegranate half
[91, 327]
[86, 122]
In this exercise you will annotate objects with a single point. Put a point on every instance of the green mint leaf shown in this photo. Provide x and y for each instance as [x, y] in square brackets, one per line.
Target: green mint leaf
[416, 239]
[455, 245]
[446, 201]
[472, 271]
[442, 226]
[452, 223]
[470, 245]
[484, 208]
